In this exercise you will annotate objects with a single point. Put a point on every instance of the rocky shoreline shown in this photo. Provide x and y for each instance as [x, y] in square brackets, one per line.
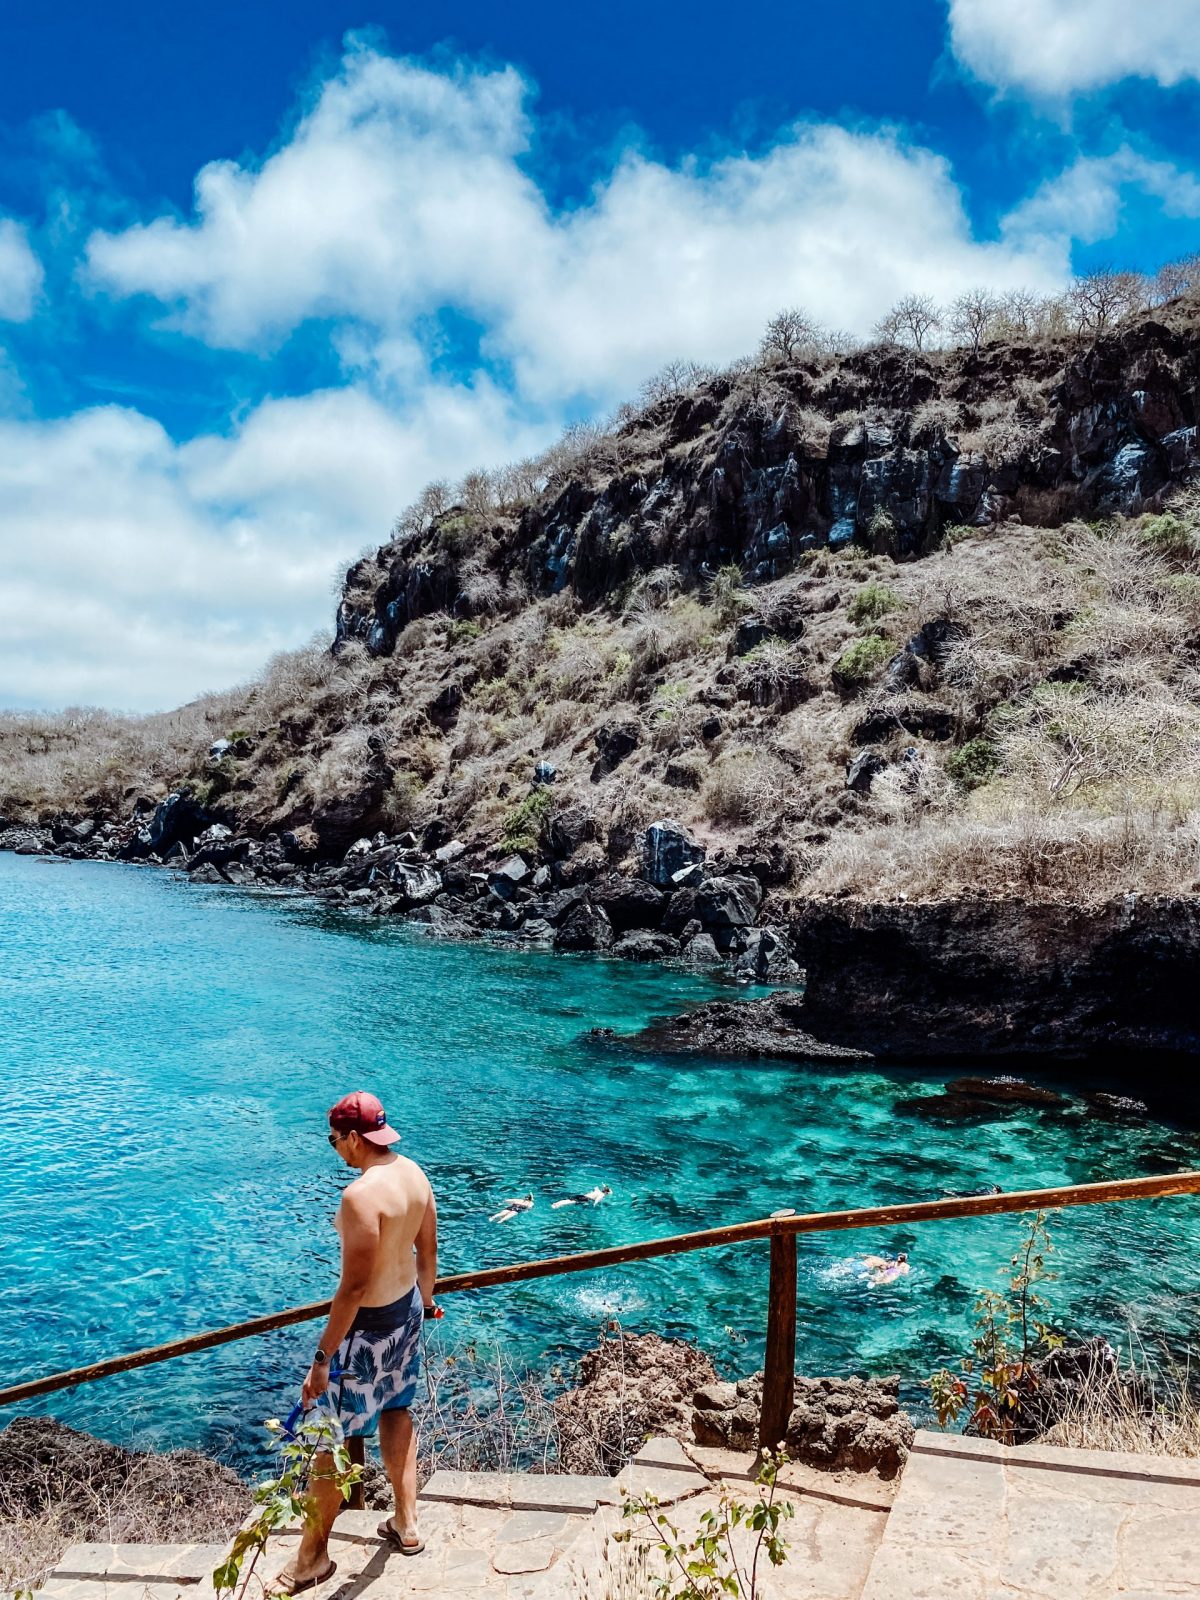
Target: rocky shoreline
[998, 978]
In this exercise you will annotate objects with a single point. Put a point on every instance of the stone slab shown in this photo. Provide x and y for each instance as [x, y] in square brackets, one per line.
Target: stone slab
[976, 1521]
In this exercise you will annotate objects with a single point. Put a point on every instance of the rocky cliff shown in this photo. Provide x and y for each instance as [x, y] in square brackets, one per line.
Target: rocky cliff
[883, 669]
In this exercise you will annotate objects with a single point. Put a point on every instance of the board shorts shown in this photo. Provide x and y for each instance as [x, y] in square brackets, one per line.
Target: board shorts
[378, 1364]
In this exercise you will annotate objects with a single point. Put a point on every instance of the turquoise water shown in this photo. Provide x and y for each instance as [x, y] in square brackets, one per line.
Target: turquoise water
[167, 1053]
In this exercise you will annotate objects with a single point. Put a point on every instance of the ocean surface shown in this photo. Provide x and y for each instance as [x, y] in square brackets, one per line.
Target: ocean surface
[167, 1055]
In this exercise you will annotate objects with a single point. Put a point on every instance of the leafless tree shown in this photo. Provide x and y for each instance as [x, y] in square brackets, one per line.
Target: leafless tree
[673, 381]
[910, 321]
[788, 332]
[1175, 278]
[973, 316]
[419, 517]
[477, 494]
[1018, 312]
[1099, 299]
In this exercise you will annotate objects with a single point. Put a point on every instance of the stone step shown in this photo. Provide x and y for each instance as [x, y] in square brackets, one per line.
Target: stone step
[974, 1520]
[135, 1571]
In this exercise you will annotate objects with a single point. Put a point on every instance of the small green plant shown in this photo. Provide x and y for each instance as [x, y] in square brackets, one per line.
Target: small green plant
[462, 632]
[872, 603]
[284, 1499]
[708, 1566]
[669, 700]
[974, 764]
[522, 829]
[1170, 536]
[726, 595]
[861, 661]
[1009, 1336]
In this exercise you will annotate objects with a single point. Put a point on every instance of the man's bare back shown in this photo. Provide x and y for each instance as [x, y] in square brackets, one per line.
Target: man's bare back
[391, 1200]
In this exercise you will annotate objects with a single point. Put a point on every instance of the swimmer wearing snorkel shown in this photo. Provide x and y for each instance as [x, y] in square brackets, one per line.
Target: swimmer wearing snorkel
[886, 1269]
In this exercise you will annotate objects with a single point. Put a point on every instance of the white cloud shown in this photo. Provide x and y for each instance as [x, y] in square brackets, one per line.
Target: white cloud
[20, 273]
[1084, 202]
[1057, 48]
[139, 572]
[402, 192]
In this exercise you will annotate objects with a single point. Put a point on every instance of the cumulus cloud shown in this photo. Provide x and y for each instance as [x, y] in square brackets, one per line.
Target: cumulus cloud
[1084, 201]
[404, 191]
[1057, 48]
[399, 217]
[140, 571]
[20, 273]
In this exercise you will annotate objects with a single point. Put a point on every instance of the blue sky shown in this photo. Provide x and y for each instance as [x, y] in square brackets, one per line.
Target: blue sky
[266, 269]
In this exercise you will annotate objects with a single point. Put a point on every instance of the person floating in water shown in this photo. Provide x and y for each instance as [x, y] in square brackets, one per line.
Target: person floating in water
[511, 1208]
[886, 1269]
[592, 1198]
[369, 1356]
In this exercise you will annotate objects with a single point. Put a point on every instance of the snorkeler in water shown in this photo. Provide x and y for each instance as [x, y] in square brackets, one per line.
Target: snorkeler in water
[593, 1197]
[886, 1269]
[512, 1208]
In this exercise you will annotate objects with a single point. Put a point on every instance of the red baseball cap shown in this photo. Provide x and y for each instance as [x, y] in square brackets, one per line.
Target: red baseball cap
[361, 1112]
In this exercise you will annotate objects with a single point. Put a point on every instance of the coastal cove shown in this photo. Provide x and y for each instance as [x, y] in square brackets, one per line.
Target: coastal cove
[168, 1050]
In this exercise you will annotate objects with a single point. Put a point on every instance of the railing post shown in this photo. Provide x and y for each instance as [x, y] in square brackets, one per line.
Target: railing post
[779, 1368]
[356, 1445]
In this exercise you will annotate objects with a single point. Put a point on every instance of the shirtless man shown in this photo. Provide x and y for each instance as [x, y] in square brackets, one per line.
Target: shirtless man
[369, 1356]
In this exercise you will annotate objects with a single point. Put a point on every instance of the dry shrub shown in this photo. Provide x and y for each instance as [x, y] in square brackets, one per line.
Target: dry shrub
[1061, 854]
[78, 1490]
[744, 785]
[1148, 1407]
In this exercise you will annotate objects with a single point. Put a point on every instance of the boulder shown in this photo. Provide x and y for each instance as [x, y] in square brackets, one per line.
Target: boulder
[630, 903]
[586, 928]
[416, 884]
[570, 828]
[667, 848]
[864, 769]
[452, 851]
[614, 741]
[545, 772]
[701, 951]
[749, 634]
[643, 945]
[839, 1424]
[555, 906]
[767, 957]
[630, 1387]
[508, 877]
[176, 819]
[728, 901]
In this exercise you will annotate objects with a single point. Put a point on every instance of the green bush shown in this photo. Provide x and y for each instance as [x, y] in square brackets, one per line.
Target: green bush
[725, 593]
[873, 602]
[462, 632]
[975, 764]
[1170, 536]
[523, 823]
[862, 661]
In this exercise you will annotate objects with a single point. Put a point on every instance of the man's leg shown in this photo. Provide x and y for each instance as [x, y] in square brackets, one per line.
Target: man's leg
[324, 1503]
[398, 1446]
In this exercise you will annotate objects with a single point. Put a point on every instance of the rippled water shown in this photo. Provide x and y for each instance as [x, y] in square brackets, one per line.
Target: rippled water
[167, 1052]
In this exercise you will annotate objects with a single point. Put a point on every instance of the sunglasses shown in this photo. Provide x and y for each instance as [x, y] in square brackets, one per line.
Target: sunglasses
[334, 1137]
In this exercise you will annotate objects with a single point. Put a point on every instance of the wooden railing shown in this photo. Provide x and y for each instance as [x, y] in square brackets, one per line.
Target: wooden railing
[781, 1229]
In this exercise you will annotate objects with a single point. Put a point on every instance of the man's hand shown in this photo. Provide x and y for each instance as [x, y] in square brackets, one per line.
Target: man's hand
[315, 1384]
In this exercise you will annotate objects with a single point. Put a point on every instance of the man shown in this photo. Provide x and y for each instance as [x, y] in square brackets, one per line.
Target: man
[387, 1220]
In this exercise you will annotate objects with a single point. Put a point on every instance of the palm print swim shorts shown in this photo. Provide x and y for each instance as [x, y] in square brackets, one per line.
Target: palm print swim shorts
[378, 1363]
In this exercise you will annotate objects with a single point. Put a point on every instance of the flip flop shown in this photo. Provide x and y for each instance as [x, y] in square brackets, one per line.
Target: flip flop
[290, 1586]
[407, 1547]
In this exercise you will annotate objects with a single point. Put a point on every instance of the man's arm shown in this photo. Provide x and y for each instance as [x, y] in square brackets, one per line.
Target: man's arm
[360, 1247]
[426, 1245]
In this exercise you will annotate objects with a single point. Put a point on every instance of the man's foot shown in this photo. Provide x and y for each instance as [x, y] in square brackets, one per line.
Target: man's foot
[295, 1580]
[409, 1543]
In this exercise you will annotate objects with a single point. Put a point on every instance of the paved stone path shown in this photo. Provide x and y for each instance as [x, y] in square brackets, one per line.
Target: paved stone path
[970, 1521]
[976, 1521]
